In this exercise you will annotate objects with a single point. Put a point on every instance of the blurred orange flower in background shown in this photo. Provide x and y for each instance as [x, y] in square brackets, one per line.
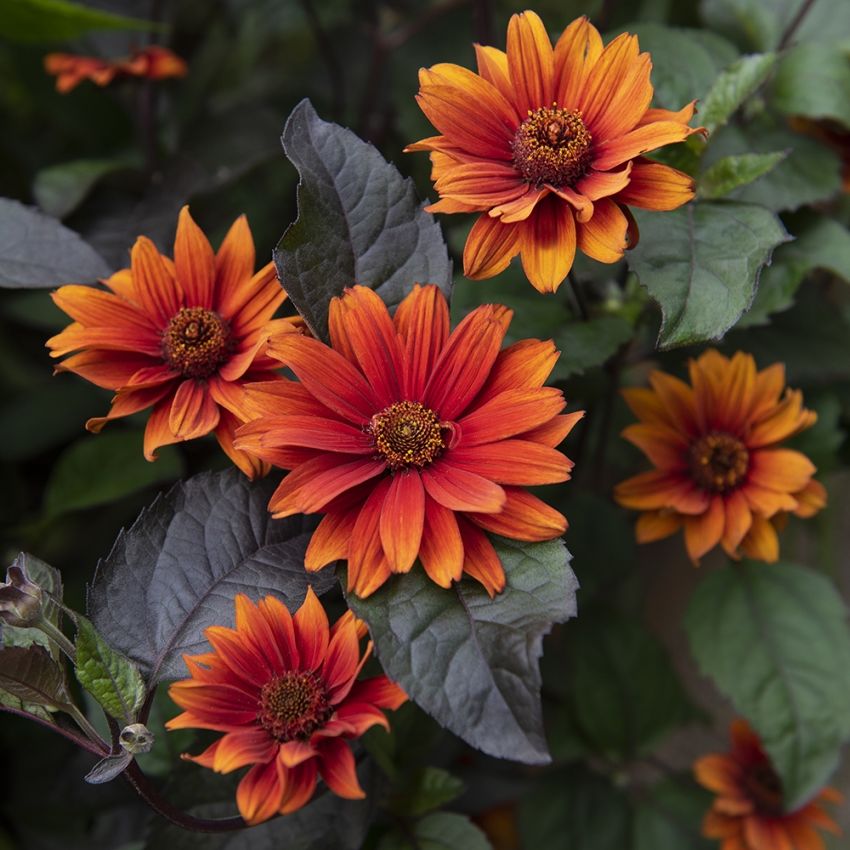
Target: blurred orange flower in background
[547, 144]
[178, 336]
[284, 691]
[719, 472]
[748, 811]
[152, 62]
[413, 441]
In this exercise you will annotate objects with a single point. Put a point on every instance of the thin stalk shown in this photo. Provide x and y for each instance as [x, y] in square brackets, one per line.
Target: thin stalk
[791, 29]
[82, 721]
[58, 638]
[69, 734]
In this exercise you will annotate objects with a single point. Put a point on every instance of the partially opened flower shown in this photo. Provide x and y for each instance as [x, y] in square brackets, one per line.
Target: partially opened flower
[547, 145]
[180, 336]
[719, 470]
[748, 812]
[413, 441]
[152, 62]
[284, 691]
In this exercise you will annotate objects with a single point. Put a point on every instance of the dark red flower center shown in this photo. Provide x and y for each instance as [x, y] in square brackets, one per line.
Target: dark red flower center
[552, 146]
[293, 705]
[196, 342]
[407, 434]
[764, 788]
[719, 462]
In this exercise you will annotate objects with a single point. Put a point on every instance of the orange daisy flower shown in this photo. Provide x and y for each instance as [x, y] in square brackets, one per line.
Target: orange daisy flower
[284, 691]
[411, 440]
[153, 62]
[180, 337]
[720, 472]
[547, 144]
[747, 813]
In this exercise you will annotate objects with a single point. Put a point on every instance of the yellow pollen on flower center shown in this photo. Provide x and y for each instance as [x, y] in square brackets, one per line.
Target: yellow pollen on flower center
[407, 434]
[719, 462]
[196, 342]
[552, 146]
[293, 705]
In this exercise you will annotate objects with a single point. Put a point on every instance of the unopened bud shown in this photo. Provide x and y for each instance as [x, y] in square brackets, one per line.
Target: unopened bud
[136, 738]
[20, 599]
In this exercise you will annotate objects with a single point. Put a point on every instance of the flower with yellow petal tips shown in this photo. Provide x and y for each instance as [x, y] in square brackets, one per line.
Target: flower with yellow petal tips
[413, 441]
[285, 692]
[748, 813]
[719, 470]
[178, 336]
[547, 143]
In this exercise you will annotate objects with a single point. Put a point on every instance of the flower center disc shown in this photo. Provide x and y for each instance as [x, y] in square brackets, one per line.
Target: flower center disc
[293, 705]
[765, 788]
[196, 342]
[552, 146]
[719, 462]
[407, 434]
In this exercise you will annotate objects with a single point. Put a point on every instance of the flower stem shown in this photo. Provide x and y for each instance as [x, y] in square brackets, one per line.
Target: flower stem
[58, 638]
[90, 746]
[791, 29]
[82, 721]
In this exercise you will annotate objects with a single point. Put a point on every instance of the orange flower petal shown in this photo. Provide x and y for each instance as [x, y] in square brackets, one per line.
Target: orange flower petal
[236, 749]
[293, 753]
[522, 207]
[300, 786]
[609, 154]
[234, 265]
[761, 542]
[460, 490]
[341, 661]
[422, 322]
[554, 431]
[368, 567]
[654, 186]
[703, 532]
[157, 431]
[604, 237]
[531, 62]
[329, 542]
[336, 765]
[576, 52]
[259, 793]
[524, 365]
[659, 489]
[548, 245]
[523, 517]
[738, 521]
[482, 185]
[656, 525]
[515, 462]
[510, 413]
[379, 691]
[194, 261]
[159, 294]
[784, 470]
[480, 560]
[194, 412]
[493, 67]
[490, 247]
[665, 448]
[603, 184]
[282, 627]
[402, 520]
[312, 632]
[441, 551]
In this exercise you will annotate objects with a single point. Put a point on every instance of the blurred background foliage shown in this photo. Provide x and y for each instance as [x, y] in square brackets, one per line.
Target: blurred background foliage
[627, 711]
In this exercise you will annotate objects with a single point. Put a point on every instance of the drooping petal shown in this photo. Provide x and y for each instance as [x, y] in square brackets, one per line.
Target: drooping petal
[402, 520]
[603, 237]
[330, 540]
[603, 184]
[336, 765]
[258, 795]
[441, 550]
[703, 532]
[300, 786]
[368, 567]
[157, 431]
[548, 245]
[761, 542]
[194, 412]
[656, 525]
[237, 749]
[490, 247]
[480, 560]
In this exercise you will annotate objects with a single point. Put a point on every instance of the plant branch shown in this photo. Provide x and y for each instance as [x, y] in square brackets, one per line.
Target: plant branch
[70, 734]
[82, 721]
[59, 638]
[797, 20]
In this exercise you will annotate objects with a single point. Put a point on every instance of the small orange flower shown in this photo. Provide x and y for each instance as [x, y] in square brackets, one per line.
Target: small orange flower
[153, 62]
[748, 811]
[284, 691]
[411, 440]
[719, 471]
[547, 144]
[180, 337]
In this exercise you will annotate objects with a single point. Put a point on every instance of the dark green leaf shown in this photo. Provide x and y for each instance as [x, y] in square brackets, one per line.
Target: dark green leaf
[113, 680]
[669, 818]
[438, 831]
[100, 469]
[109, 768]
[39, 251]
[427, 789]
[359, 221]
[823, 244]
[31, 675]
[701, 263]
[624, 693]
[575, 810]
[60, 189]
[810, 173]
[177, 569]
[814, 80]
[775, 640]
[733, 87]
[731, 172]
[455, 649]
[59, 20]
[587, 344]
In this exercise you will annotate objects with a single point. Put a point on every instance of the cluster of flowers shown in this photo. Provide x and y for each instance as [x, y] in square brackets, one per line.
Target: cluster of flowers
[414, 440]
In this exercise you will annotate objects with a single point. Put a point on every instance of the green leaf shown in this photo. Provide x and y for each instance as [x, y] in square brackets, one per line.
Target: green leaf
[113, 680]
[624, 694]
[575, 809]
[427, 789]
[37, 251]
[31, 675]
[99, 469]
[669, 817]
[60, 20]
[821, 244]
[814, 80]
[701, 263]
[455, 648]
[731, 172]
[584, 345]
[733, 87]
[359, 221]
[60, 189]
[109, 768]
[685, 62]
[438, 831]
[810, 173]
[774, 638]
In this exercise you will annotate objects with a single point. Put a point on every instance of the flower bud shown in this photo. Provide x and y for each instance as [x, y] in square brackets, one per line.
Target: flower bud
[20, 599]
[136, 738]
